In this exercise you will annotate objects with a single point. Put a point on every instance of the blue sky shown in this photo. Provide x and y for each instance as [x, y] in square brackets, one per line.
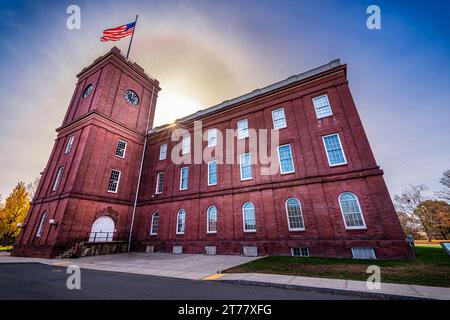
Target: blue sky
[204, 52]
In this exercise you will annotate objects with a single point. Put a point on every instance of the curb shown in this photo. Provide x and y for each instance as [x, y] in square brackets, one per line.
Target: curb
[383, 296]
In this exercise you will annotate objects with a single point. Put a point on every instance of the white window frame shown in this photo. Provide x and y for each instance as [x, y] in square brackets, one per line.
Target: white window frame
[181, 178]
[124, 149]
[364, 226]
[41, 227]
[212, 137]
[315, 107]
[184, 221]
[69, 144]
[287, 215]
[157, 183]
[186, 144]
[292, 159]
[273, 119]
[118, 181]
[300, 255]
[207, 220]
[243, 217]
[152, 224]
[217, 173]
[373, 255]
[240, 130]
[342, 149]
[163, 153]
[240, 166]
[58, 178]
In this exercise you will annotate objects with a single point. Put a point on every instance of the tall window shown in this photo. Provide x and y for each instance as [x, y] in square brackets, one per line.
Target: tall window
[294, 215]
[41, 225]
[322, 106]
[154, 226]
[279, 119]
[285, 158]
[212, 137]
[184, 177]
[242, 128]
[186, 145]
[69, 144]
[114, 179]
[248, 212]
[181, 219]
[159, 182]
[246, 166]
[212, 173]
[333, 148]
[212, 219]
[58, 178]
[163, 152]
[121, 148]
[351, 211]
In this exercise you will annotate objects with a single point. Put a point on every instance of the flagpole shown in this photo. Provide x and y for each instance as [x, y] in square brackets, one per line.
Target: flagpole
[131, 40]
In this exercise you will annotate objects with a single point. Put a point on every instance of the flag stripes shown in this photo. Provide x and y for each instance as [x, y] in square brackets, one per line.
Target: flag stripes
[115, 34]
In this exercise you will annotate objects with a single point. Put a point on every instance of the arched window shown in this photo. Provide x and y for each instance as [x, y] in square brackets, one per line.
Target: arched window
[248, 212]
[212, 220]
[294, 214]
[181, 221]
[40, 230]
[155, 222]
[351, 211]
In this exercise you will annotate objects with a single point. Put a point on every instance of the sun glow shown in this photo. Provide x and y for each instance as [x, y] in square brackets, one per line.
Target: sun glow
[172, 105]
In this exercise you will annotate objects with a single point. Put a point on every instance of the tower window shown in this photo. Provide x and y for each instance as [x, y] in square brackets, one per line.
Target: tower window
[121, 148]
[87, 91]
[322, 106]
[58, 178]
[279, 119]
[159, 182]
[69, 144]
[40, 230]
[114, 179]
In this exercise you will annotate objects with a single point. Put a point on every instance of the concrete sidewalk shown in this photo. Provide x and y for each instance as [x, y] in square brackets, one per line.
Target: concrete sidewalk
[387, 290]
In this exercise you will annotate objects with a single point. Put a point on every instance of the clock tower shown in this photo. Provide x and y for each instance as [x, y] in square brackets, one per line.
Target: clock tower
[88, 187]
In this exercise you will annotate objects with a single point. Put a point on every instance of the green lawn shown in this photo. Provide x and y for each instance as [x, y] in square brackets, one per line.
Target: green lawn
[430, 268]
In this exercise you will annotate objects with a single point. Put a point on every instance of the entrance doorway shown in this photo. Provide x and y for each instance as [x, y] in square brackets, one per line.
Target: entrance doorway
[102, 230]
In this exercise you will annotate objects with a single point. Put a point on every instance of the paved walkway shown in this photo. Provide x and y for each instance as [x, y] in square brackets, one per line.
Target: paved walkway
[387, 290]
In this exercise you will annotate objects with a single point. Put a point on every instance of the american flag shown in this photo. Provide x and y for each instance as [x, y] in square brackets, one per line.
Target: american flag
[118, 33]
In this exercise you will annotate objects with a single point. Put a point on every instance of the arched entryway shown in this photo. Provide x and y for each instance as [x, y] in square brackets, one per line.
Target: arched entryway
[102, 230]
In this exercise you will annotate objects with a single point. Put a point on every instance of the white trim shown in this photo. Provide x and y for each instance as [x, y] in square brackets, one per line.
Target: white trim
[118, 181]
[240, 166]
[207, 220]
[69, 144]
[364, 226]
[292, 159]
[237, 127]
[217, 174]
[151, 226]
[184, 222]
[342, 149]
[157, 183]
[284, 116]
[181, 178]
[243, 217]
[124, 149]
[315, 108]
[372, 251]
[287, 215]
[160, 151]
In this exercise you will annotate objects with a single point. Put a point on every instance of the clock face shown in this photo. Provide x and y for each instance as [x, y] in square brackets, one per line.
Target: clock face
[131, 97]
[87, 90]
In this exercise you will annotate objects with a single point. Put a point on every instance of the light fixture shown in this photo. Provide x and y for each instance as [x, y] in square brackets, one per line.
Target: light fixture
[52, 221]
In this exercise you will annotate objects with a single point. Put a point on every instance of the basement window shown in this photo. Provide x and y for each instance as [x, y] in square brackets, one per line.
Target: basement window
[300, 252]
[363, 253]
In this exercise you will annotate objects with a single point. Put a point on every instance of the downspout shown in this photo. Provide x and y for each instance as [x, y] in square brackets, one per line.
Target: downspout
[140, 171]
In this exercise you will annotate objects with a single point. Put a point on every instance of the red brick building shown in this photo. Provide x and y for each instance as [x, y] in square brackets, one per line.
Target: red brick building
[329, 197]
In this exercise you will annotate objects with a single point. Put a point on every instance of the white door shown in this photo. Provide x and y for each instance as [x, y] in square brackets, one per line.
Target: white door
[102, 230]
